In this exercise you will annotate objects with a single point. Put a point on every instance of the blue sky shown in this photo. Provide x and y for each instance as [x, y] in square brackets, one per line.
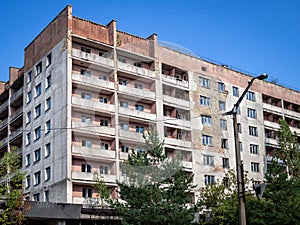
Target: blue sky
[257, 36]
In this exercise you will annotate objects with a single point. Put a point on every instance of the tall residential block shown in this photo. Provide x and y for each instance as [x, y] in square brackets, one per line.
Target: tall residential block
[87, 93]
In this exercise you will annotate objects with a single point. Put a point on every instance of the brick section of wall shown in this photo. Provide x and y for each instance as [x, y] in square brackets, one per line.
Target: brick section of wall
[48, 38]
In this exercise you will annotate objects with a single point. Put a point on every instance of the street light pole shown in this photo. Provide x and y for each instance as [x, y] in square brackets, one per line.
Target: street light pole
[239, 165]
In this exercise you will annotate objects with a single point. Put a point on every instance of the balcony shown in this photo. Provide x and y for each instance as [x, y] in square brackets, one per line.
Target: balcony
[272, 108]
[272, 125]
[3, 142]
[176, 101]
[93, 153]
[3, 124]
[16, 95]
[16, 133]
[82, 176]
[178, 142]
[123, 155]
[131, 135]
[136, 113]
[177, 122]
[16, 114]
[175, 81]
[92, 128]
[187, 165]
[3, 106]
[137, 92]
[136, 70]
[93, 105]
[92, 57]
[271, 142]
[93, 81]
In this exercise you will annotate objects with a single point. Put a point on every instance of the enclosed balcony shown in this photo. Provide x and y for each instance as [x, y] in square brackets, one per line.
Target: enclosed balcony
[175, 116]
[174, 76]
[175, 96]
[178, 137]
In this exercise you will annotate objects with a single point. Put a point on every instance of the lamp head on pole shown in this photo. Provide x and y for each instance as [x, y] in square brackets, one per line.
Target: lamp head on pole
[262, 76]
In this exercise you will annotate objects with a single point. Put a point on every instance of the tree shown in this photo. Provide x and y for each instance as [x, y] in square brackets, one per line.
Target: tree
[156, 190]
[11, 190]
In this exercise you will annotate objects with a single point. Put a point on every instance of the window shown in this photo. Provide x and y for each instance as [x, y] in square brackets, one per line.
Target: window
[27, 160]
[138, 64]
[48, 59]
[239, 128]
[124, 126]
[221, 87]
[37, 111]
[85, 49]
[223, 124]
[28, 117]
[139, 107]
[47, 150]
[254, 149]
[222, 105]
[86, 96]
[206, 120]
[46, 196]
[86, 143]
[203, 68]
[204, 101]
[208, 179]
[250, 96]
[27, 181]
[86, 168]
[139, 129]
[255, 167]
[103, 99]
[38, 68]
[207, 140]
[251, 113]
[103, 77]
[86, 73]
[28, 138]
[29, 97]
[47, 127]
[104, 146]
[48, 82]
[29, 76]
[36, 197]
[37, 178]
[37, 155]
[48, 104]
[224, 143]
[138, 86]
[208, 160]
[124, 104]
[85, 119]
[123, 82]
[122, 60]
[104, 123]
[235, 91]
[37, 133]
[225, 163]
[47, 173]
[87, 192]
[204, 82]
[253, 131]
[241, 146]
[103, 169]
[124, 148]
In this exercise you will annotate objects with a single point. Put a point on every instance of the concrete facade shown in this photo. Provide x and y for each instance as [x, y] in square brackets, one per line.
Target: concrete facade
[88, 92]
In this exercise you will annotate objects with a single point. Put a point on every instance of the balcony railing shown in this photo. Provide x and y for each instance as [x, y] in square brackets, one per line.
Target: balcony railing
[16, 95]
[92, 81]
[175, 81]
[77, 175]
[3, 106]
[92, 57]
[136, 70]
[92, 128]
[178, 142]
[137, 92]
[176, 101]
[136, 113]
[93, 105]
[16, 133]
[3, 124]
[92, 152]
[187, 164]
[131, 135]
[175, 121]
[16, 114]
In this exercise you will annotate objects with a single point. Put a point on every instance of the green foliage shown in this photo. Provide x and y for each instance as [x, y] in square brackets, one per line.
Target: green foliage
[157, 190]
[103, 192]
[11, 189]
